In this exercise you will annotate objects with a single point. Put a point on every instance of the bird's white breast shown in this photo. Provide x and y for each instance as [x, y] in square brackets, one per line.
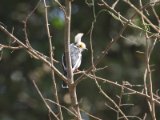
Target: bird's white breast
[76, 56]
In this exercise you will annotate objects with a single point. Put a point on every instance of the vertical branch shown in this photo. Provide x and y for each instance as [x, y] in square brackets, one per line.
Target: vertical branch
[94, 68]
[153, 114]
[67, 40]
[148, 73]
[72, 87]
[90, 40]
[145, 73]
[120, 99]
[51, 58]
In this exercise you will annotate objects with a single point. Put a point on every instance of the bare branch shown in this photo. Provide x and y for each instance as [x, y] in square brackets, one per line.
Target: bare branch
[10, 47]
[48, 107]
[25, 23]
[62, 107]
[144, 17]
[92, 116]
[61, 6]
[55, 92]
[119, 85]
[104, 52]
[111, 100]
[72, 87]
[148, 71]
[114, 4]
[35, 54]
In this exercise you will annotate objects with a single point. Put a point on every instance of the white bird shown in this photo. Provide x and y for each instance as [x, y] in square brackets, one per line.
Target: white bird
[76, 50]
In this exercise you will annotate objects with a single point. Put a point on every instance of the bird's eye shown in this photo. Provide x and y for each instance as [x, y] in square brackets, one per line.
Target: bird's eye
[80, 46]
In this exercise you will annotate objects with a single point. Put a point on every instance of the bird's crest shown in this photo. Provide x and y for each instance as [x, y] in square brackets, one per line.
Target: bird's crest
[78, 37]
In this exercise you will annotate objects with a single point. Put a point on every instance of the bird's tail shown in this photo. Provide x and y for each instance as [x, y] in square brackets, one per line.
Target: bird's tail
[64, 85]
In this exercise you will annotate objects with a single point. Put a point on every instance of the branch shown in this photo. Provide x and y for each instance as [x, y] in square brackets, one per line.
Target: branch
[119, 17]
[25, 24]
[35, 54]
[123, 20]
[62, 107]
[110, 99]
[39, 92]
[119, 85]
[142, 15]
[67, 41]
[104, 52]
[10, 47]
[92, 116]
[52, 64]
[72, 87]
[148, 51]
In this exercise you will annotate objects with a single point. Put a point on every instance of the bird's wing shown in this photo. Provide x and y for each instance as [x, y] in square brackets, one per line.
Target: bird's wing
[64, 62]
[74, 55]
[77, 63]
[75, 58]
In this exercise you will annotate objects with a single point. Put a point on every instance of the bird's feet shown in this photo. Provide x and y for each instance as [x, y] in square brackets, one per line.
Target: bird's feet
[76, 70]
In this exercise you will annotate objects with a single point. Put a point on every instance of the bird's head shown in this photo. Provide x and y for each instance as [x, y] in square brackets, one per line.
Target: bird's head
[79, 44]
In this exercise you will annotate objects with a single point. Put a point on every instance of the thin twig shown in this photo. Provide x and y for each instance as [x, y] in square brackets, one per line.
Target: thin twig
[93, 66]
[119, 17]
[114, 4]
[148, 71]
[25, 23]
[35, 54]
[144, 17]
[10, 47]
[132, 117]
[62, 107]
[119, 85]
[104, 52]
[110, 99]
[92, 116]
[46, 104]
[61, 6]
[55, 92]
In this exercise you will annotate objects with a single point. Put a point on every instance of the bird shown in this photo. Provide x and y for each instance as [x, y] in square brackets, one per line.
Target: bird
[76, 50]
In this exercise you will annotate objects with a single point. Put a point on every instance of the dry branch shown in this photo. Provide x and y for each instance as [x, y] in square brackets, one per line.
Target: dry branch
[32, 52]
[55, 92]
[72, 87]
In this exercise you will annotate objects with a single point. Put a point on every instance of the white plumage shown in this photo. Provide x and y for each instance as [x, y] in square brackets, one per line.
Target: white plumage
[76, 49]
[78, 37]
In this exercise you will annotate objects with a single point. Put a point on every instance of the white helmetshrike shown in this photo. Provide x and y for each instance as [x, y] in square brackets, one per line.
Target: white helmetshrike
[76, 50]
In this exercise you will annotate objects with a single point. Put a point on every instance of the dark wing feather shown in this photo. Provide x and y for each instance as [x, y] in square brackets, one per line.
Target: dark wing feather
[64, 65]
[64, 85]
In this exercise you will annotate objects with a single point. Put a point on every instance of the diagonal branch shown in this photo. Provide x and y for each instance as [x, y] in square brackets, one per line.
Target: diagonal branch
[35, 54]
[109, 98]
[142, 15]
[50, 110]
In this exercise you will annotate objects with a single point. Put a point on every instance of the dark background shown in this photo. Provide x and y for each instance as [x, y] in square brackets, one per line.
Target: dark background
[18, 97]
